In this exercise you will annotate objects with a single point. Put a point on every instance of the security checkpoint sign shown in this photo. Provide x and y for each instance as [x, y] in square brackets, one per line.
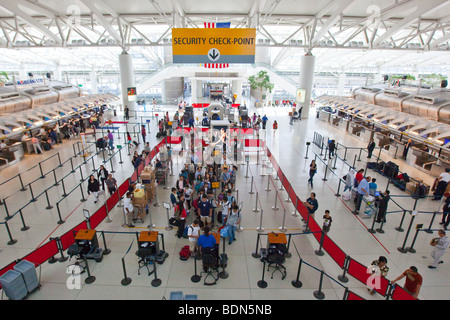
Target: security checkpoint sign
[213, 45]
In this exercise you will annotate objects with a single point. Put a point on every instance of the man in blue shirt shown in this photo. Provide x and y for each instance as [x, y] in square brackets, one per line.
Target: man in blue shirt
[363, 190]
[205, 211]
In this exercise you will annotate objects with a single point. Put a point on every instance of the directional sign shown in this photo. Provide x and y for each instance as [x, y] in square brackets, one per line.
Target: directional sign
[218, 45]
[213, 54]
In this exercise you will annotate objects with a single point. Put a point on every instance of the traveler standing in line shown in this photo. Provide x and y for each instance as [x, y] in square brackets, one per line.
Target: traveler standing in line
[94, 187]
[233, 220]
[440, 246]
[363, 190]
[312, 171]
[350, 179]
[180, 215]
[300, 113]
[446, 213]
[331, 148]
[382, 206]
[143, 132]
[413, 281]
[370, 148]
[128, 209]
[193, 234]
[327, 220]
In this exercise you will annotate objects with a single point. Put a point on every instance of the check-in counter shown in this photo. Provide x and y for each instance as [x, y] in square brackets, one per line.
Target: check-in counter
[11, 154]
[383, 141]
[360, 131]
[324, 115]
[27, 146]
[339, 122]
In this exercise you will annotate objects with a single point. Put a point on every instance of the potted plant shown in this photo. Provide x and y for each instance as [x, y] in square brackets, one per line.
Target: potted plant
[3, 78]
[261, 82]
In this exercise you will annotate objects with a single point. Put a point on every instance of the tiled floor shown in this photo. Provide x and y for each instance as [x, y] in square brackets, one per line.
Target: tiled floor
[288, 144]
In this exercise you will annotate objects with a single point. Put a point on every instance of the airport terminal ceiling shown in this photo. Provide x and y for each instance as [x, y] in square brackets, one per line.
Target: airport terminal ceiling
[379, 37]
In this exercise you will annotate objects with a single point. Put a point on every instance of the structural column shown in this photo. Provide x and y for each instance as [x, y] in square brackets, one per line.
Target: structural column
[193, 91]
[306, 83]
[126, 78]
[237, 89]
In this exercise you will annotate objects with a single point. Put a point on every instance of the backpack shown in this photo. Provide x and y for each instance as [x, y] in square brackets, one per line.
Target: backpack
[185, 232]
[185, 253]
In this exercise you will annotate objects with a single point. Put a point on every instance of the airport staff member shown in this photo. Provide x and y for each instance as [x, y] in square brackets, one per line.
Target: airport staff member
[440, 246]
[443, 181]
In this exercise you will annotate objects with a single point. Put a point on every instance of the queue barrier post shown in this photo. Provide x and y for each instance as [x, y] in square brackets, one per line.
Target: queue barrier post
[318, 294]
[297, 283]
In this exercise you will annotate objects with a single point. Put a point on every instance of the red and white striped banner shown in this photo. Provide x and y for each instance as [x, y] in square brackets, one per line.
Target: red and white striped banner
[216, 65]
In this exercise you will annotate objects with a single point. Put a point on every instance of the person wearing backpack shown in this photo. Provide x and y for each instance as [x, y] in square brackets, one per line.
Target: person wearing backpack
[193, 233]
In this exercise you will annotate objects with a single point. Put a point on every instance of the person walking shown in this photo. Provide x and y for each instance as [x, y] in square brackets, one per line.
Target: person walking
[311, 204]
[331, 148]
[111, 184]
[440, 246]
[312, 171]
[93, 187]
[264, 121]
[413, 281]
[102, 175]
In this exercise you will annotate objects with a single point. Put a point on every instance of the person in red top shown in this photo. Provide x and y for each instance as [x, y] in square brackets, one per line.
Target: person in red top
[180, 215]
[413, 281]
[359, 176]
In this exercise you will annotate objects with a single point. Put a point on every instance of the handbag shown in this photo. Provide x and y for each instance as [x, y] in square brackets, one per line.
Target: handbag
[224, 232]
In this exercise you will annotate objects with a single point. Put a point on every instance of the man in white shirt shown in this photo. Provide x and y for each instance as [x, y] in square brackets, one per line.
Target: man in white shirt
[443, 180]
[440, 246]
[128, 209]
[193, 234]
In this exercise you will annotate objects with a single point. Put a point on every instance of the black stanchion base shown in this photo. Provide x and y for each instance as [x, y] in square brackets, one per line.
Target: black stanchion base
[411, 250]
[52, 260]
[343, 279]
[62, 259]
[60, 221]
[288, 255]
[83, 200]
[319, 252]
[223, 275]
[49, 208]
[380, 230]
[89, 280]
[319, 295]
[156, 282]
[297, 284]
[11, 242]
[399, 229]
[106, 252]
[23, 189]
[371, 231]
[262, 284]
[25, 228]
[402, 250]
[64, 195]
[196, 278]
[428, 231]
[256, 255]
